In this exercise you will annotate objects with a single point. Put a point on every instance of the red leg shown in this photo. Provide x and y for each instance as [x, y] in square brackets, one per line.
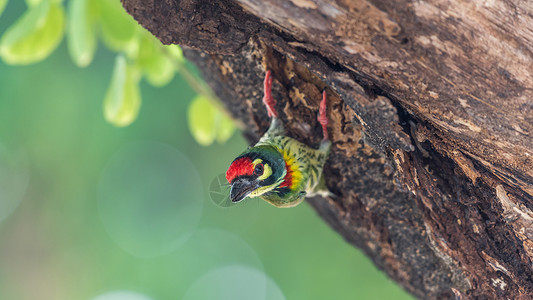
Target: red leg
[267, 99]
[322, 118]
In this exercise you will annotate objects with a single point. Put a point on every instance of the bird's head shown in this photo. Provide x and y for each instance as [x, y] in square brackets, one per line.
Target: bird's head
[255, 172]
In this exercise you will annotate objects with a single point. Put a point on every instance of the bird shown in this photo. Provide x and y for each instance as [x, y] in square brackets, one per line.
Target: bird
[279, 169]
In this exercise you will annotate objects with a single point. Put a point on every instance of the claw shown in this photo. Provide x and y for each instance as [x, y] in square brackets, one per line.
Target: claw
[322, 117]
[267, 98]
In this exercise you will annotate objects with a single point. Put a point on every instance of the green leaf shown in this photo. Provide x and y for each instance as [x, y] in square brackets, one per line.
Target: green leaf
[2, 6]
[35, 35]
[81, 32]
[207, 123]
[225, 128]
[202, 123]
[174, 51]
[123, 98]
[118, 28]
[156, 66]
[32, 3]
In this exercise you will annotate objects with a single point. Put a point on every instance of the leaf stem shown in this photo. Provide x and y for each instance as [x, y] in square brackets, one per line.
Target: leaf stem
[200, 87]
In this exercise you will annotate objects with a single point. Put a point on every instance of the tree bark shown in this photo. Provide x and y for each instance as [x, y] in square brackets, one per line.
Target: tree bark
[431, 111]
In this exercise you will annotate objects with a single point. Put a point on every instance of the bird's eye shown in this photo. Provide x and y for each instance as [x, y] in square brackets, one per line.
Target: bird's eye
[259, 168]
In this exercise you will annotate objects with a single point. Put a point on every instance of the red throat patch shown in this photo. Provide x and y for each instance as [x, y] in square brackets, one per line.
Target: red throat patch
[287, 181]
[239, 167]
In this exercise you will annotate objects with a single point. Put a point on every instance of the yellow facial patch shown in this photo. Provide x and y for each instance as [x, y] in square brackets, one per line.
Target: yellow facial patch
[267, 171]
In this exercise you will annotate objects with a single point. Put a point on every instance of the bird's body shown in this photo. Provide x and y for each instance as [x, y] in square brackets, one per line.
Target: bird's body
[279, 169]
[303, 166]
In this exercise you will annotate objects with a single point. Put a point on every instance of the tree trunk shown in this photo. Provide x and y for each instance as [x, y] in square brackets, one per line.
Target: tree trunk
[431, 110]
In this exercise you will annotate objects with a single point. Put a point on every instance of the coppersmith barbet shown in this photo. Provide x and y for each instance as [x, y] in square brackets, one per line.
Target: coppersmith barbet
[279, 169]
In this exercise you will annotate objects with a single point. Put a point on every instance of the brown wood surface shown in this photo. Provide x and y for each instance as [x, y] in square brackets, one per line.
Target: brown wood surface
[431, 108]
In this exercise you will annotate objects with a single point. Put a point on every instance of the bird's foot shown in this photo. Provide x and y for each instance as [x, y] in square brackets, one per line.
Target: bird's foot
[267, 98]
[322, 117]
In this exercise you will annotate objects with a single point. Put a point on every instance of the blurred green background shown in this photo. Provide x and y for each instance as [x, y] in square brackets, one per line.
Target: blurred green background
[92, 211]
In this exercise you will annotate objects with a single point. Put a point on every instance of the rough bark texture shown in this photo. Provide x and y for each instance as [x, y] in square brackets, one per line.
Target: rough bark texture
[431, 109]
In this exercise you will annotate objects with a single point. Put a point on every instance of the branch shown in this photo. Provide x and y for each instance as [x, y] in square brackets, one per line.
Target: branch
[431, 121]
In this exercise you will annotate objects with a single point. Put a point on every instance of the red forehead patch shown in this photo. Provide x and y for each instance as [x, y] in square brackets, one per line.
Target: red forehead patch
[239, 167]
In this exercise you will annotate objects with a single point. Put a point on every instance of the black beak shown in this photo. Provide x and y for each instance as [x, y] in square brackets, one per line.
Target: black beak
[242, 187]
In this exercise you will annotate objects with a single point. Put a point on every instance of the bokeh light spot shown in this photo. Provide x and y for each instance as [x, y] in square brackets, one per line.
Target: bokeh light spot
[234, 282]
[150, 198]
[122, 295]
[213, 247]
